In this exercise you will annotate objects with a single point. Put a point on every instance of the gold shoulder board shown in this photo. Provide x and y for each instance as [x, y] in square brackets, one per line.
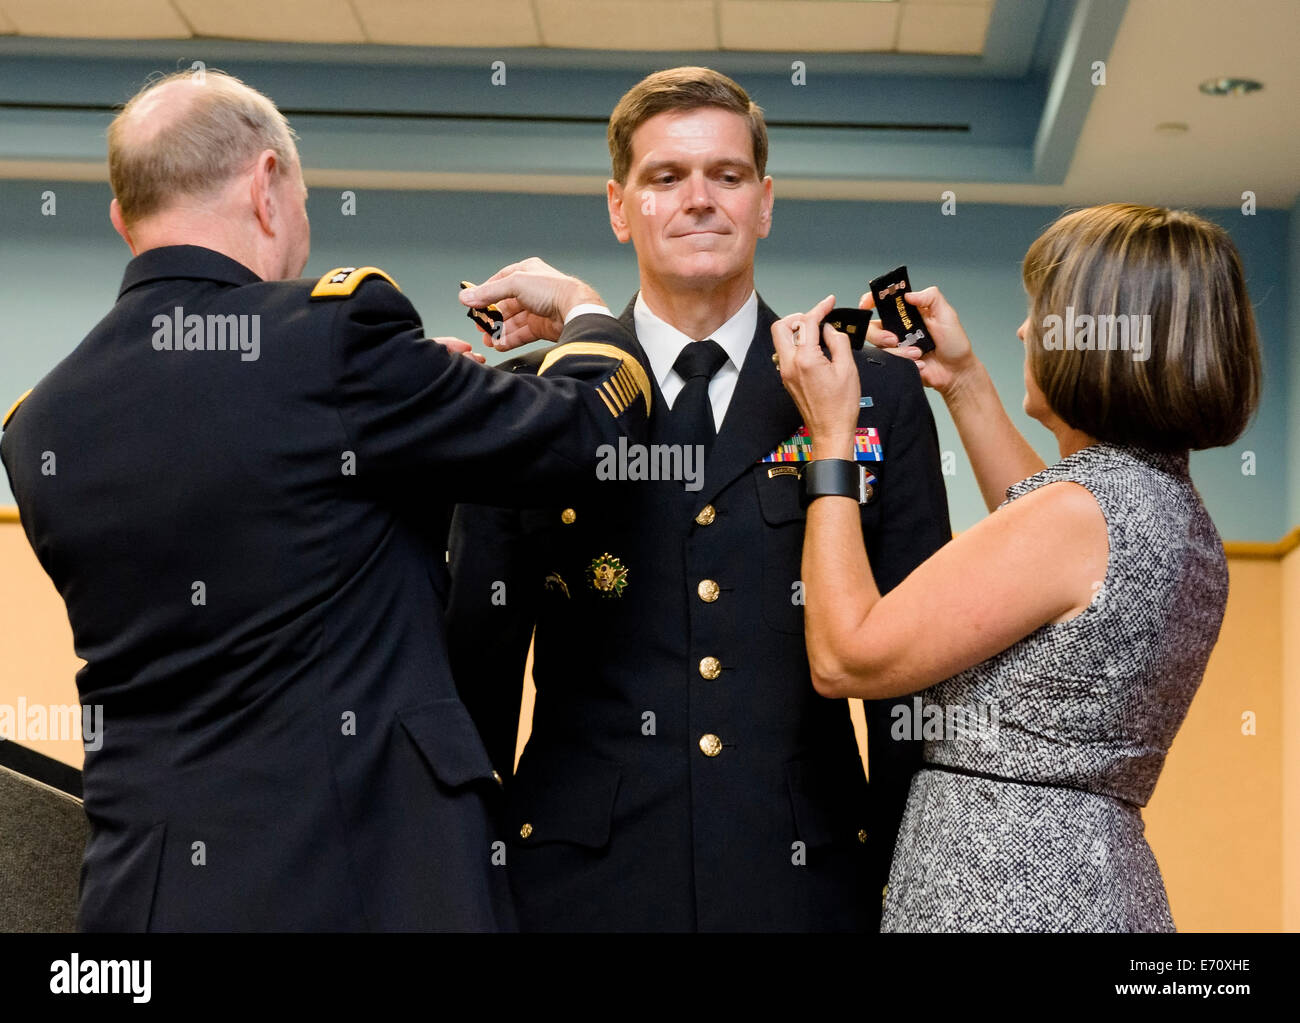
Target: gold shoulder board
[344, 280]
[14, 408]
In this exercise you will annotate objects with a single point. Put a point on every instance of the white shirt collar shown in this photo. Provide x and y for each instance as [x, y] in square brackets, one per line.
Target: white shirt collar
[662, 342]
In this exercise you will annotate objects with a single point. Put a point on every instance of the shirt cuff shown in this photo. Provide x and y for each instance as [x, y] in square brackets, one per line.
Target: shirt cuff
[586, 307]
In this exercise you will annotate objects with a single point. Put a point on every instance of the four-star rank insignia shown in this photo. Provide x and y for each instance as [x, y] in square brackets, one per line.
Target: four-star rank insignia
[607, 575]
[344, 280]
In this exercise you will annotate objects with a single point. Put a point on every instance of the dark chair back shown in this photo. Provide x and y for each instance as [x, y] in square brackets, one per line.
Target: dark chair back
[43, 833]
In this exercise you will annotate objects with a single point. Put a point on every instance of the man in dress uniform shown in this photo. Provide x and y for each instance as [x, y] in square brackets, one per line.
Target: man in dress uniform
[682, 773]
[240, 484]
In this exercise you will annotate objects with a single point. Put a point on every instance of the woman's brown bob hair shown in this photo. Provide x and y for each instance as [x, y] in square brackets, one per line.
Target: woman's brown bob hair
[1140, 328]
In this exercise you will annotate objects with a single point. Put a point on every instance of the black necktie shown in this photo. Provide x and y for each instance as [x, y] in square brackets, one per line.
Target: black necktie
[691, 419]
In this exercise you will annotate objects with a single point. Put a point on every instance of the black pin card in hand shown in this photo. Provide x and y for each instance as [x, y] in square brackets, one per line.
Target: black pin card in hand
[488, 320]
[900, 317]
[852, 322]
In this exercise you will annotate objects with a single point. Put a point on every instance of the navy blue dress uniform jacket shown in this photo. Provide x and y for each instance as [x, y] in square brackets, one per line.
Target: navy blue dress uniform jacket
[682, 773]
[253, 556]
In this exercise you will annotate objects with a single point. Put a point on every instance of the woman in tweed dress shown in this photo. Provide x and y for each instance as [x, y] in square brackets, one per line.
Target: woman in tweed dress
[1064, 636]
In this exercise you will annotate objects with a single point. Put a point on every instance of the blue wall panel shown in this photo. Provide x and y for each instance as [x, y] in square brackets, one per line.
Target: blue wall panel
[59, 274]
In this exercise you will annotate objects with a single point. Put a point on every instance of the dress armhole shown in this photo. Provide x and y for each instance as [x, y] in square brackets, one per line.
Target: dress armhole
[1100, 586]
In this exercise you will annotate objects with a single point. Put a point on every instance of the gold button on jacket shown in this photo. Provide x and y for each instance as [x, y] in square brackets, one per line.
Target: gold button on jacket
[568, 516]
[706, 516]
[710, 667]
[708, 590]
[710, 745]
[526, 831]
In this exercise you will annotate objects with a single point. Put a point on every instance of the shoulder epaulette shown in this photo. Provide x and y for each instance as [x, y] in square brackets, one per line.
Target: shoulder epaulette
[14, 408]
[344, 280]
[627, 383]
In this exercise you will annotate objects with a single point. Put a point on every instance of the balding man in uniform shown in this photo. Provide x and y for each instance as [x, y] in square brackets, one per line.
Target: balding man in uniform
[240, 483]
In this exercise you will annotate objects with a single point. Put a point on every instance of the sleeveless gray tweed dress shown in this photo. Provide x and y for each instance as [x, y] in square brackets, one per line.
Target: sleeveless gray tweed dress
[1029, 818]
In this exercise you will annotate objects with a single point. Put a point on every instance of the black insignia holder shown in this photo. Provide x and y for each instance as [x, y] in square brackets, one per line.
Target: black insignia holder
[488, 320]
[900, 317]
[852, 322]
[834, 477]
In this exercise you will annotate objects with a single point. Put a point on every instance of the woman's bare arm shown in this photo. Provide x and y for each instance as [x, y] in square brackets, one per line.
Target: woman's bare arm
[1038, 560]
[998, 452]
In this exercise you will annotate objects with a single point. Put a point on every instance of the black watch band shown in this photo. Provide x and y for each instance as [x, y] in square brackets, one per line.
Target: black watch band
[833, 477]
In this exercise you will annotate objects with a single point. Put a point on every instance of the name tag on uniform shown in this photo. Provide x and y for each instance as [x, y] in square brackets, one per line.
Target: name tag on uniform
[798, 448]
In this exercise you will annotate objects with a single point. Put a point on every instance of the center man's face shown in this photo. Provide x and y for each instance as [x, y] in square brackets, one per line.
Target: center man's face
[693, 205]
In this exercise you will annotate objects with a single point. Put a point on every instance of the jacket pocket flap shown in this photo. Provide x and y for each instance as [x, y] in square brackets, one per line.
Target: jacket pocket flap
[780, 491]
[829, 802]
[566, 800]
[444, 733]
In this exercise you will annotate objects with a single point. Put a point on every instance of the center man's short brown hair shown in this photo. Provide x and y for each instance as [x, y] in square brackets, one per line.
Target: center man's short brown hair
[680, 88]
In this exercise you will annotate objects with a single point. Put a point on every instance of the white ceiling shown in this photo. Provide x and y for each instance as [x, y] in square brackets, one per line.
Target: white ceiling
[1164, 50]
[902, 26]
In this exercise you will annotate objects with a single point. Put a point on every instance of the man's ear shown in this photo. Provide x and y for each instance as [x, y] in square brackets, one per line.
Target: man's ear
[260, 188]
[617, 221]
[765, 215]
[119, 225]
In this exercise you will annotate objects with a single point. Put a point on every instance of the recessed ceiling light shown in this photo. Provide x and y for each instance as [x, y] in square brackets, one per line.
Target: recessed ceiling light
[1230, 86]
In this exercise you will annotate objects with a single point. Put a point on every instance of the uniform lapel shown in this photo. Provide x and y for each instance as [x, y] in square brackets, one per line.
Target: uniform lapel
[760, 416]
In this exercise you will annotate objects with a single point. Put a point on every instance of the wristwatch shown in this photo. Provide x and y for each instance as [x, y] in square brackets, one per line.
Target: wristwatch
[834, 477]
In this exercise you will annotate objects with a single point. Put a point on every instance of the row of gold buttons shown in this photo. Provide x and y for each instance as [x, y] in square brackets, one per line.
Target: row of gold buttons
[710, 667]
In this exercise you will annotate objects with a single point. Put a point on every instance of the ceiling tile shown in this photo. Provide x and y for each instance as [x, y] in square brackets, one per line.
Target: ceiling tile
[295, 21]
[629, 24]
[449, 22]
[818, 26]
[943, 28]
[107, 19]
